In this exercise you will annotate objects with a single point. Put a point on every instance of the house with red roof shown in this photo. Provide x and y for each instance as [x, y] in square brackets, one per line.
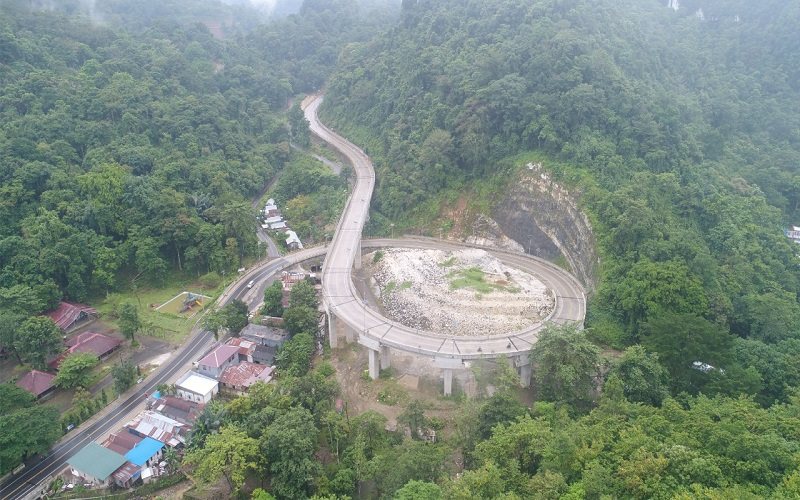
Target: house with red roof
[91, 342]
[69, 315]
[37, 383]
[246, 348]
[213, 363]
[238, 379]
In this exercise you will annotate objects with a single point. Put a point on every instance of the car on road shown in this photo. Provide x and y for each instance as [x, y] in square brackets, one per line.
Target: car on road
[251, 284]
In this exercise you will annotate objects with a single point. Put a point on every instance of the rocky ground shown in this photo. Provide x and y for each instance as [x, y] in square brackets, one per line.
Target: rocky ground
[466, 292]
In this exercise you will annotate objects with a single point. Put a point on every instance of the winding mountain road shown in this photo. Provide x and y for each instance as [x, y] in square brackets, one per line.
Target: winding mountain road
[378, 333]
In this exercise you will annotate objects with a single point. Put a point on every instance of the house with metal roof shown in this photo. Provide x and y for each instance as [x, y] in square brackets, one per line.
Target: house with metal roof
[238, 379]
[122, 441]
[195, 387]
[161, 428]
[91, 342]
[37, 383]
[95, 464]
[264, 335]
[146, 453]
[213, 363]
[185, 412]
[69, 315]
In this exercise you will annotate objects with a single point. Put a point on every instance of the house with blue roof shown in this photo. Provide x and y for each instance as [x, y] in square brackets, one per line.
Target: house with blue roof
[146, 453]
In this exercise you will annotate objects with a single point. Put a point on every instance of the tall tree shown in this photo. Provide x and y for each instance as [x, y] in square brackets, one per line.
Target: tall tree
[643, 378]
[75, 370]
[37, 339]
[273, 299]
[129, 322]
[230, 454]
[567, 365]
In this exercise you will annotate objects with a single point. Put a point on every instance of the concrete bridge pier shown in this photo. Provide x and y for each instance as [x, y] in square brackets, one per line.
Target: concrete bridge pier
[332, 330]
[374, 363]
[448, 382]
[386, 360]
[448, 365]
[524, 369]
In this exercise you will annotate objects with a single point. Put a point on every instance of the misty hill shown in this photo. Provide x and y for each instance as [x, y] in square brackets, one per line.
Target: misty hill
[681, 132]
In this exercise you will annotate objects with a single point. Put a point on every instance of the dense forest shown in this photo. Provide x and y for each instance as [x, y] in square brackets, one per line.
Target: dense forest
[681, 132]
[132, 142]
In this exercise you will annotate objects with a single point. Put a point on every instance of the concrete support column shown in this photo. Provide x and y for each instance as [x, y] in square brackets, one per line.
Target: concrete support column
[332, 323]
[525, 372]
[351, 333]
[357, 261]
[386, 361]
[448, 382]
[374, 363]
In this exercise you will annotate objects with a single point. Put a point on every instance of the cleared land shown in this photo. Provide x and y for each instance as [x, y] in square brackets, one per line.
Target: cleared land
[465, 292]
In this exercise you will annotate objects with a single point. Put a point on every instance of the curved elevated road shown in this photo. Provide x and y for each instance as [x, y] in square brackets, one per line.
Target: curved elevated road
[379, 333]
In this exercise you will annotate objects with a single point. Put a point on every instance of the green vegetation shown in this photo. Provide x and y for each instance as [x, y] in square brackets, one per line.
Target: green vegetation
[25, 427]
[75, 370]
[124, 374]
[473, 278]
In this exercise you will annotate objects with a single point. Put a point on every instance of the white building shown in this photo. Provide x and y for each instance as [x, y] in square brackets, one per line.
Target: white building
[195, 387]
[292, 241]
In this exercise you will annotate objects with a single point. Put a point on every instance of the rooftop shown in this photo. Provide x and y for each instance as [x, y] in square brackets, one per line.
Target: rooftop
[36, 382]
[196, 383]
[125, 473]
[246, 347]
[144, 451]
[264, 334]
[96, 461]
[246, 374]
[121, 441]
[178, 409]
[91, 342]
[219, 356]
[67, 313]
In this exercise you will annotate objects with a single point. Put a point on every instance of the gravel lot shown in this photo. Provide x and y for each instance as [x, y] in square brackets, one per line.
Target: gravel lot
[466, 292]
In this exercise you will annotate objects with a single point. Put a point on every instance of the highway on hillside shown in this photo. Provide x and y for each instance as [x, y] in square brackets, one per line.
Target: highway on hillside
[115, 415]
[376, 331]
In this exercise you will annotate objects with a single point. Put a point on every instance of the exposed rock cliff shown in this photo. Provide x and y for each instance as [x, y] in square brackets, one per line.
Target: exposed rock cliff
[545, 220]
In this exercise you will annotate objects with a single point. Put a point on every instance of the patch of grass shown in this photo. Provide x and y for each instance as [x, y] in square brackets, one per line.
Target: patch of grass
[472, 278]
[170, 327]
[377, 256]
[392, 395]
[448, 263]
[405, 285]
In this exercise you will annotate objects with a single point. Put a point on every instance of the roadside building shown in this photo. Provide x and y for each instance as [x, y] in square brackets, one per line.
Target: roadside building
[246, 348]
[273, 220]
[264, 335]
[238, 379]
[94, 464]
[271, 209]
[69, 315]
[122, 441]
[277, 226]
[213, 363]
[185, 412]
[292, 241]
[40, 384]
[127, 475]
[146, 453]
[161, 428]
[91, 342]
[195, 387]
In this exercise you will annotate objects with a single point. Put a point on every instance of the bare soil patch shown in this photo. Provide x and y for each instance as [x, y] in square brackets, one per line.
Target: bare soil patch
[465, 292]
